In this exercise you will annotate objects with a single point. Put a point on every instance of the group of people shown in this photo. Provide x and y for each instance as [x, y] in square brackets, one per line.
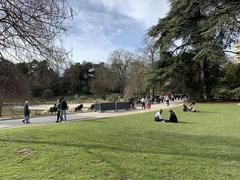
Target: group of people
[62, 108]
[148, 100]
[171, 97]
[131, 103]
[172, 118]
[190, 108]
[61, 111]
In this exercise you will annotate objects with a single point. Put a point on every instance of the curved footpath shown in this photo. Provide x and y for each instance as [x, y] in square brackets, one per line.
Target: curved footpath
[82, 116]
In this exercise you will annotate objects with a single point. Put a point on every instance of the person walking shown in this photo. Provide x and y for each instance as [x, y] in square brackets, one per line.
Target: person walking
[26, 113]
[64, 108]
[59, 107]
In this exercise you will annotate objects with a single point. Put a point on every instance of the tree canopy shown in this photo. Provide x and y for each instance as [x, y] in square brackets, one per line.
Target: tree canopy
[203, 29]
[30, 27]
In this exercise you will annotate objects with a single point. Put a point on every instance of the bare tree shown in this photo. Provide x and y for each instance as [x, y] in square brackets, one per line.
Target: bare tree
[28, 30]
[30, 27]
[103, 81]
[150, 51]
[13, 86]
[120, 61]
[135, 77]
[151, 54]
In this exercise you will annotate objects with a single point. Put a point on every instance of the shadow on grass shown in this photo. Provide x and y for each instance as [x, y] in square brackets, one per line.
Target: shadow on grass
[205, 112]
[179, 122]
[184, 122]
[209, 147]
[201, 112]
[92, 121]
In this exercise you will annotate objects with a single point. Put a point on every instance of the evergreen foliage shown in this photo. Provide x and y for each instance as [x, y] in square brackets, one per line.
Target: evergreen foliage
[195, 35]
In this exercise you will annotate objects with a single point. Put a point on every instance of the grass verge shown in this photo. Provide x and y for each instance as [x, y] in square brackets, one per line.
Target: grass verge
[204, 145]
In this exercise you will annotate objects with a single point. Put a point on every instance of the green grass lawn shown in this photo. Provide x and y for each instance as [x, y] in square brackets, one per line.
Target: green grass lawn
[204, 145]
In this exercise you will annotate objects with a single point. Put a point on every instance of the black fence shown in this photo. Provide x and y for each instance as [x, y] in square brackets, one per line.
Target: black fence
[101, 107]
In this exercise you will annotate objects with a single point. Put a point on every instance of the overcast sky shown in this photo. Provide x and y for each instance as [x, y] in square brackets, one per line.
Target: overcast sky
[103, 26]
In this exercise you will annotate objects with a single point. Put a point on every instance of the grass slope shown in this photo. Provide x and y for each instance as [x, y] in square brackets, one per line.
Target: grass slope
[203, 145]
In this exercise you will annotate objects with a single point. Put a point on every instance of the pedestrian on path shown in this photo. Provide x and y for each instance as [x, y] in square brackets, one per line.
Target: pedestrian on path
[147, 103]
[143, 102]
[167, 99]
[59, 107]
[26, 113]
[64, 108]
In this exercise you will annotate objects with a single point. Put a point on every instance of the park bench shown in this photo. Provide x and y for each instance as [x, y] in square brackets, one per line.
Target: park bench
[101, 107]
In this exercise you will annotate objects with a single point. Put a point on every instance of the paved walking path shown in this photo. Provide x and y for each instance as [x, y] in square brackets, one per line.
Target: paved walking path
[81, 116]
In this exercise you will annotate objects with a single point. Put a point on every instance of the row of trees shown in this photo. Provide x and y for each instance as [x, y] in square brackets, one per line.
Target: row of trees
[185, 52]
[123, 74]
[42, 77]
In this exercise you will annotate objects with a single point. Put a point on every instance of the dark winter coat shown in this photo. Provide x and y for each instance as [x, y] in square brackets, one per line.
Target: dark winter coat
[64, 105]
[173, 117]
[26, 110]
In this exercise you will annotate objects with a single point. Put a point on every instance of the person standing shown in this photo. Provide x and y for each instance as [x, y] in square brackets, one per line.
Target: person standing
[148, 102]
[26, 113]
[158, 99]
[59, 107]
[64, 108]
[167, 99]
[161, 98]
[143, 102]
[131, 102]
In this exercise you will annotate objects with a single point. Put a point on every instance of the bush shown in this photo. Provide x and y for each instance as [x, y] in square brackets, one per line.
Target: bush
[112, 98]
[236, 92]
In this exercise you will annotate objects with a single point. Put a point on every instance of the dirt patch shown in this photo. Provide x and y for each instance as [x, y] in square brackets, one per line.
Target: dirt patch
[24, 152]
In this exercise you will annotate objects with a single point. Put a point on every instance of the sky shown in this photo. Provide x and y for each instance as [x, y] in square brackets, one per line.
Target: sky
[102, 26]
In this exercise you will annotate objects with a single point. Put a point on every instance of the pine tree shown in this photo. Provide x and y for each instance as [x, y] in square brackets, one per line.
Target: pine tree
[205, 29]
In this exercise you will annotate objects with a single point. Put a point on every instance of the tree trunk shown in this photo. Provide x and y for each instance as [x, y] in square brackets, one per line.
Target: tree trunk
[1, 108]
[203, 81]
[152, 92]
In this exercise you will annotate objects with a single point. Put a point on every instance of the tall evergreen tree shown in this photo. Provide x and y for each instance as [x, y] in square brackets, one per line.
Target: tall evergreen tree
[204, 29]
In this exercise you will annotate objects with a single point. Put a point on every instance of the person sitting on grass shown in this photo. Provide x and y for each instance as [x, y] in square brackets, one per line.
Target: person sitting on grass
[172, 118]
[185, 108]
[158, 116]
[192, 107]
